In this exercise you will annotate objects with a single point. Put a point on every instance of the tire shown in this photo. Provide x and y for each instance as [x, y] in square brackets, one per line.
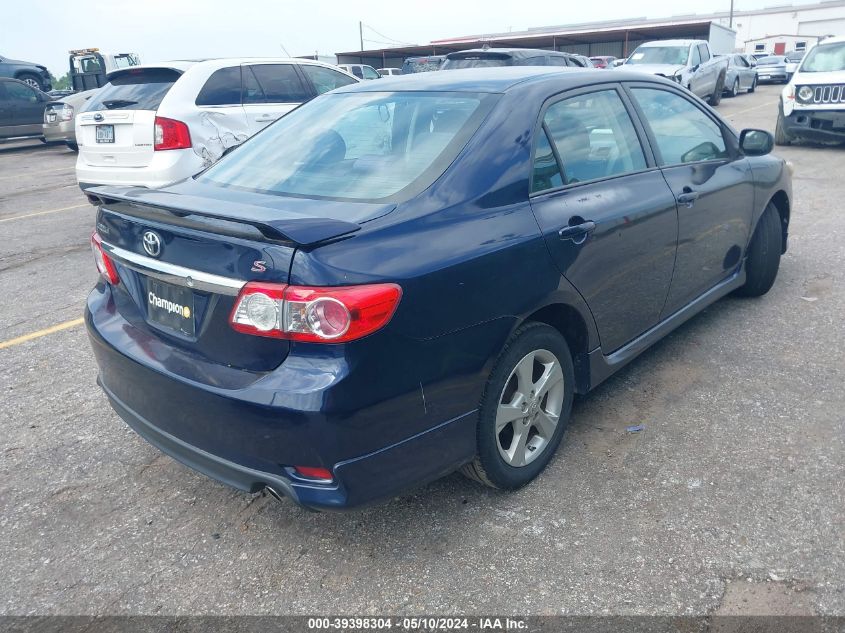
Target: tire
[31, 80]
[753, 85]
[716, 98]
[506, 459]
[763, 258]
[782, 137]
[734, 91]
[72, 146]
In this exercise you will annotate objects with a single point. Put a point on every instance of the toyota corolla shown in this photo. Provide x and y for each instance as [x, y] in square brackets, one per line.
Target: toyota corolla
[394, 282]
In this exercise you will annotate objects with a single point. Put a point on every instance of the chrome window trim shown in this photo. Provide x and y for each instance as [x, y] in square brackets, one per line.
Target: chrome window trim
[173, 274]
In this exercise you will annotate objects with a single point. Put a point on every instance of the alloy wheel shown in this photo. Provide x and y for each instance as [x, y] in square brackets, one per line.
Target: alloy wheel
[529, 408]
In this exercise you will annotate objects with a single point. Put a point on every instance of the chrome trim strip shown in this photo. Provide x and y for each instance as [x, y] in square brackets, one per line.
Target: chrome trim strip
[173, 274]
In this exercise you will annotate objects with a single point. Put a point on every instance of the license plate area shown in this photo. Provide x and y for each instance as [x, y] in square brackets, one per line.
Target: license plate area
[170, 307]
[105, 133]
[51, 117]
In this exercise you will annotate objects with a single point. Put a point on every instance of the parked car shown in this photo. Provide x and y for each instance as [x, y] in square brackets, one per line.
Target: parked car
[493, 57]
[741, 75]
[153, 125]
[34, 75]
[690, 63]
[387, 286]
[812, 106]
[772, 69]
[389, 72]
[425, 64]
[21, 109]
[603, 61]
[758, 56]
[793, 59]
[59, 117]
[581, 60]
[361, 71]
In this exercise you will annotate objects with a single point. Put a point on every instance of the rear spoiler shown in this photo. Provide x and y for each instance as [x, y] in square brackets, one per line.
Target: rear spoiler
[276, 224]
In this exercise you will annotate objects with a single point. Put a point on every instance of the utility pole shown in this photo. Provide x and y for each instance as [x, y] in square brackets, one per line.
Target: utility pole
[361, 31]
[730, 20]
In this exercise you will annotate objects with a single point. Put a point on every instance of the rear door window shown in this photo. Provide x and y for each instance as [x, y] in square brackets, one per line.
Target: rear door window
[135, 89]
[325, 79]
[222, 88]
[594, 137]
[280, 83]
[370, 73]
[557, 60]
[356, 70]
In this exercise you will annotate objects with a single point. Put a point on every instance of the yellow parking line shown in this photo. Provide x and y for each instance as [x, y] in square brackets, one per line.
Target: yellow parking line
[29, 215]
[40, 333]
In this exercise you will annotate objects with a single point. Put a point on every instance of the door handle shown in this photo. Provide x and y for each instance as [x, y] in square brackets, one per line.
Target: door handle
[688, 197]
[577, 232]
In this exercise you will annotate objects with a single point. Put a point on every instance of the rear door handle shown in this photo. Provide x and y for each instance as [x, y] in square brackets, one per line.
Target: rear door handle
[577, 232]
[688, 197]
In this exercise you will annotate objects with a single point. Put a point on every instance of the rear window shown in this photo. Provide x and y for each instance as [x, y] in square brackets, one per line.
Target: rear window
[477, 60]
[371, 146]
[136, 89]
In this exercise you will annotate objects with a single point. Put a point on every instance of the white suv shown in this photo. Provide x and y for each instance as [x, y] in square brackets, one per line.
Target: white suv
[153, 125]
[812, 106]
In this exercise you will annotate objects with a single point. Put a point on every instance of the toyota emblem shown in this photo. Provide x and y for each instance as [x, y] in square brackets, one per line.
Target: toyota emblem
[152, 243]
[98, 117]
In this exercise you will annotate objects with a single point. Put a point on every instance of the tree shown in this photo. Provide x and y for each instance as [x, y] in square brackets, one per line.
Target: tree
[62, 83]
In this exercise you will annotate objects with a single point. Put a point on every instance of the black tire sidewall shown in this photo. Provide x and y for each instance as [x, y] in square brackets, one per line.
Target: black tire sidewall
[763, 260]
[531, 337]
[26, 76]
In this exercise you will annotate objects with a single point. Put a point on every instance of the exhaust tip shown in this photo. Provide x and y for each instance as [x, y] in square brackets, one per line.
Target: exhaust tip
[274, 493]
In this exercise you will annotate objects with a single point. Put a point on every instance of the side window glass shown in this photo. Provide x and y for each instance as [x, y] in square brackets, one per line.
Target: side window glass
[704, 52]
[222, 88]
[557, 60]
[594, 137]
[369, 73]
[684, 134]
[546, 171]
[20, 92]
[325, 79]
[252, 92]
[696, 57]
[356, 70]
[280, 83]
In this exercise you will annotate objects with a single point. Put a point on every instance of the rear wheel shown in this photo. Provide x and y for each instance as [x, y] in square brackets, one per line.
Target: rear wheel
[72, 146]
[525, 408]
[31, 80]
[734, 91]
[782, 137]
[716, 98]
[763, 258]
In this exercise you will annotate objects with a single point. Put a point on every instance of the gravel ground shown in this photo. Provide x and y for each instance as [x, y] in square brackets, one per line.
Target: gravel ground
[730, 501]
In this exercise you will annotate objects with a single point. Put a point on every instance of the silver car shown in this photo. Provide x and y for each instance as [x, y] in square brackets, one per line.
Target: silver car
[772, 69]
[741, 75]
[59, 115]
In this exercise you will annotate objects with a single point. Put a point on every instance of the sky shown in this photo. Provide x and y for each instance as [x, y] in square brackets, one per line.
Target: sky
[42, 31]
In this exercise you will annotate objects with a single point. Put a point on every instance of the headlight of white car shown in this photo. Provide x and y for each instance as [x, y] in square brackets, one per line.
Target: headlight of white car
[805, 94]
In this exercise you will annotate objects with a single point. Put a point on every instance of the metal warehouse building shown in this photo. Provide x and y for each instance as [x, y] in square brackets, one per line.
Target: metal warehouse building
[619, 38]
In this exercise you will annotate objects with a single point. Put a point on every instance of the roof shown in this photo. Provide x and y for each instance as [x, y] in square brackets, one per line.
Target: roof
[220, 62]
[671, 43]
[515, 52]
[493, 80]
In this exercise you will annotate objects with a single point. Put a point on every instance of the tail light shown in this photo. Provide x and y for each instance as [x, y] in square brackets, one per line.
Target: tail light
[67, 112]
[312, 314]
[171, 134]
[312, 472]
[105, 266]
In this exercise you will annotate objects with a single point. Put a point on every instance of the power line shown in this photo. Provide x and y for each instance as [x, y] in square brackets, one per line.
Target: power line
[386, 37]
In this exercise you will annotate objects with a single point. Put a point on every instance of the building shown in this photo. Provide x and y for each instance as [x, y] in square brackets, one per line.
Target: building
[620, 37]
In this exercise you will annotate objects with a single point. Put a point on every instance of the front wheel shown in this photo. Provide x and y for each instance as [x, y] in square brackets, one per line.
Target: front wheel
[753, 85]
[782, 137]
[763, 258]
[72, 146]
[525, 408]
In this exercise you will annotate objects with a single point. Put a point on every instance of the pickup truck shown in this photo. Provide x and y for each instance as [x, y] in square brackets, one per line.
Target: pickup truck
[691, 63]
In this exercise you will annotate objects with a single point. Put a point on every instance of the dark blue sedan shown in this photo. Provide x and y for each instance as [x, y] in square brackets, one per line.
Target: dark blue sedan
[397, 281]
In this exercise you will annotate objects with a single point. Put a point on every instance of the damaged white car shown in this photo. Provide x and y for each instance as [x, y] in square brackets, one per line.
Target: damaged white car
[154, 125]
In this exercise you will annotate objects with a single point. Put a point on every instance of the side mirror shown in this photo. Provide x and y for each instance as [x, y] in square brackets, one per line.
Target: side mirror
[694, 68]
[756, 142]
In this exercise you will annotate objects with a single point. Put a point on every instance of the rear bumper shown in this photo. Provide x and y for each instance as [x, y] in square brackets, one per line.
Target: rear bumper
[816, 125]
[164, 169]
[56, 132]
[772, 77]
[251, 436]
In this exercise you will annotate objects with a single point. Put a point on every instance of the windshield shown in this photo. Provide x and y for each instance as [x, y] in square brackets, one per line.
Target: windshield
[825, 58]
[137, 89]
[674, 55]
[363, 146]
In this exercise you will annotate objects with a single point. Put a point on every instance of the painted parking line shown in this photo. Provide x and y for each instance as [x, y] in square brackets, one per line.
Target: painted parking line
[757, 107]
[38, 172]
[33, 335]
[34, 213]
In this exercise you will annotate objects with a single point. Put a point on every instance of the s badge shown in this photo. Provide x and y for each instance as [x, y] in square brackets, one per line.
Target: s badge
[259, 266]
